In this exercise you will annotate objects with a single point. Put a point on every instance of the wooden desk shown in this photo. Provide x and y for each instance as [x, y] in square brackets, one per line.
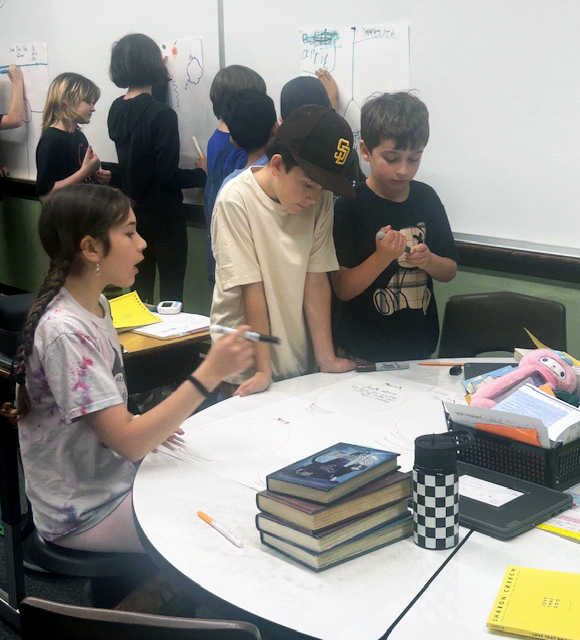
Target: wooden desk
[135, 343]
[150, 362]
[358, 599]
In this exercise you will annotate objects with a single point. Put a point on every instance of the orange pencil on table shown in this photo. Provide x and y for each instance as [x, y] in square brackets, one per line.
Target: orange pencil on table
[225, 533]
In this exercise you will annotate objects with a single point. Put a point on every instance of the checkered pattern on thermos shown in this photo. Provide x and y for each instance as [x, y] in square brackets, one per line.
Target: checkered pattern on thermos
[435, 509]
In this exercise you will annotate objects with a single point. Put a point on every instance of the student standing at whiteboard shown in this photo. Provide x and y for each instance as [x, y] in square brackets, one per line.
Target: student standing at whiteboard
[392, 240]
[63, 154]
[13, 118]
[223, 156]
[146, 136]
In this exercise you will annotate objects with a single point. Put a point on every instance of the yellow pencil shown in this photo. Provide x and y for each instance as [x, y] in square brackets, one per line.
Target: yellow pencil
[441, 364]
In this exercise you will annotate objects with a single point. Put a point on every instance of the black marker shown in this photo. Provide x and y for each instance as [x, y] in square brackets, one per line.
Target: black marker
[248, 335]
[382, 366]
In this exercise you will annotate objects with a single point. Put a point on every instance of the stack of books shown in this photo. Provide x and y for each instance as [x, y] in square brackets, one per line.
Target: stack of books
[335, 505]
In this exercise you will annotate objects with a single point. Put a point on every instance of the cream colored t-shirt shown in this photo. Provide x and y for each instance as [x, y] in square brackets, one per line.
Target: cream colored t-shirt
[254, 239]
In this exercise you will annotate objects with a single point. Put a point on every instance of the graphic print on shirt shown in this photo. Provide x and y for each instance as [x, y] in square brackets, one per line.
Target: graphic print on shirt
[407, 288]
[118, 372]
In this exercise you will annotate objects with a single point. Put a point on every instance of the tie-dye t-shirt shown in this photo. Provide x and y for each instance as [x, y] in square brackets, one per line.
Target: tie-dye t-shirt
[76, 368]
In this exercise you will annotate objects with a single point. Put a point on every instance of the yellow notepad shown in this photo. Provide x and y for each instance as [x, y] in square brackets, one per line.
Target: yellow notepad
[128, 312]
[538, 604]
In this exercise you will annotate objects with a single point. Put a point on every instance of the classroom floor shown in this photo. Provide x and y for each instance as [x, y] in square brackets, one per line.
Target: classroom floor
[60, 589]
[50, 587]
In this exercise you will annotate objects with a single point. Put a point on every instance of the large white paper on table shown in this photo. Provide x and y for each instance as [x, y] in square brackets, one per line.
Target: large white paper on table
[375, 409]
[19, 145]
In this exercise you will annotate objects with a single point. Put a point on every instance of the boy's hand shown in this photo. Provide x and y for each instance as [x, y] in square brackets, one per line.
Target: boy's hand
[337, 365]
[419, 256]
[330, 85]
[391, 245]
[260, 381]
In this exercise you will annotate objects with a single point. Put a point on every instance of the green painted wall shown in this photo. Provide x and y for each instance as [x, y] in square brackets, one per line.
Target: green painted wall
[23, 264]
[481, 281]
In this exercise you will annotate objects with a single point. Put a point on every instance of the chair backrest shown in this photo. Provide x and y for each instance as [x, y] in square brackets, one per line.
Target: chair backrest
[13, 312]
[51, 620]
[480, 322]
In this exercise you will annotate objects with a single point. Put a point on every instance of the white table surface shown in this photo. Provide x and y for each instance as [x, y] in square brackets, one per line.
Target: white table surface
[359, 599]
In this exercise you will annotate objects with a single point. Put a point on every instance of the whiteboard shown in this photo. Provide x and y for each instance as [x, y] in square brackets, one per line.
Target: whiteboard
[501, 79]
[79, 38]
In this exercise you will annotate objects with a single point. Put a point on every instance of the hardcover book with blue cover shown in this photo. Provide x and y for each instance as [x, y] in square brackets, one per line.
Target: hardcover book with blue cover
[332, 473]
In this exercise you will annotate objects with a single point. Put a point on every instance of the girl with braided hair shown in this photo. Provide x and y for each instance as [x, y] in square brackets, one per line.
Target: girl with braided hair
[79, 444]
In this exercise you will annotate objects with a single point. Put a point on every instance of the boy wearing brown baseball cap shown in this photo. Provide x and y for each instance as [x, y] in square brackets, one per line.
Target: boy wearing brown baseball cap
[272, 240]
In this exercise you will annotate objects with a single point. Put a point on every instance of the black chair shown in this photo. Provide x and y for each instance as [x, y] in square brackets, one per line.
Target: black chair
[481, 322]
[51, 620]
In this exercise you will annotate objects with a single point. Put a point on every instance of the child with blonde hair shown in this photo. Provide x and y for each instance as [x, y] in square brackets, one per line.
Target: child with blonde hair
[63, 155]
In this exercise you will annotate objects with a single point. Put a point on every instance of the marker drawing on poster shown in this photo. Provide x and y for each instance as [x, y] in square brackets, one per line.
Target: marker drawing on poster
[363, 60]
[187, 89]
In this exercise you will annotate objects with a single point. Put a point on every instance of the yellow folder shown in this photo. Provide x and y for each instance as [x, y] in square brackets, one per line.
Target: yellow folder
[128, 312]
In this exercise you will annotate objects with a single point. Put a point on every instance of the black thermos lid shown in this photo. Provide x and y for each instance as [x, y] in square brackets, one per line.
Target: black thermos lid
[437, 451]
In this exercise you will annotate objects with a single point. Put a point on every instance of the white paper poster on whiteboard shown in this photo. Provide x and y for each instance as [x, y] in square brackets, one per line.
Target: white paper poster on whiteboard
[363, 60]
[18, 150]
[187, 89]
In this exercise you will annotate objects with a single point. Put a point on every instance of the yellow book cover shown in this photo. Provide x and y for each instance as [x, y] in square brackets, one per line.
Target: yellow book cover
[538, 604]
[128, 312]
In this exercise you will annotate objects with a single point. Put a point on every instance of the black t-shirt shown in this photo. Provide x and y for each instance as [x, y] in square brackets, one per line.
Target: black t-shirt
[395, 318]
[59, 154]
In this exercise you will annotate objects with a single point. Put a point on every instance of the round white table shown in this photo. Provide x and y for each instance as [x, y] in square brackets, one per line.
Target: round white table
[234, 444]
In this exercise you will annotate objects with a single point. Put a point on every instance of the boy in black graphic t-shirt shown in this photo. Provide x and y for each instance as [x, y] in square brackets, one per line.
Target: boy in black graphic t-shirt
[391, 241]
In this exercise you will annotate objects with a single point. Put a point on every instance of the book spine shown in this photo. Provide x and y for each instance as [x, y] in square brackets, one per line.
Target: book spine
[518, 631]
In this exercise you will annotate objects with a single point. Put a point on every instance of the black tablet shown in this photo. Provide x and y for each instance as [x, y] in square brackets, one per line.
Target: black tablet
[502, 506]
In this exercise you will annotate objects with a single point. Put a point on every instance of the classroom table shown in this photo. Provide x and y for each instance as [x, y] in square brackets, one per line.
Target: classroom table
[359, 599]
[151, 362]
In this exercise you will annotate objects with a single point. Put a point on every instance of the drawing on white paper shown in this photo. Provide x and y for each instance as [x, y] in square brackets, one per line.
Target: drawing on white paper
[351, 54]
[388, 411]
[358, 398]
[245, 438]
[19, 145]
[406, 429]
[184, 60]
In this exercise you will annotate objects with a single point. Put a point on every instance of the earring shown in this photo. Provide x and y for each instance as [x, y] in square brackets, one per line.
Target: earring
[98, 270]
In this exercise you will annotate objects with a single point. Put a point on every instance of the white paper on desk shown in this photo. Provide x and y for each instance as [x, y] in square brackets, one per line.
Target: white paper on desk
[471, 416]
[375, 409]
[561, 419]
[174, 326]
